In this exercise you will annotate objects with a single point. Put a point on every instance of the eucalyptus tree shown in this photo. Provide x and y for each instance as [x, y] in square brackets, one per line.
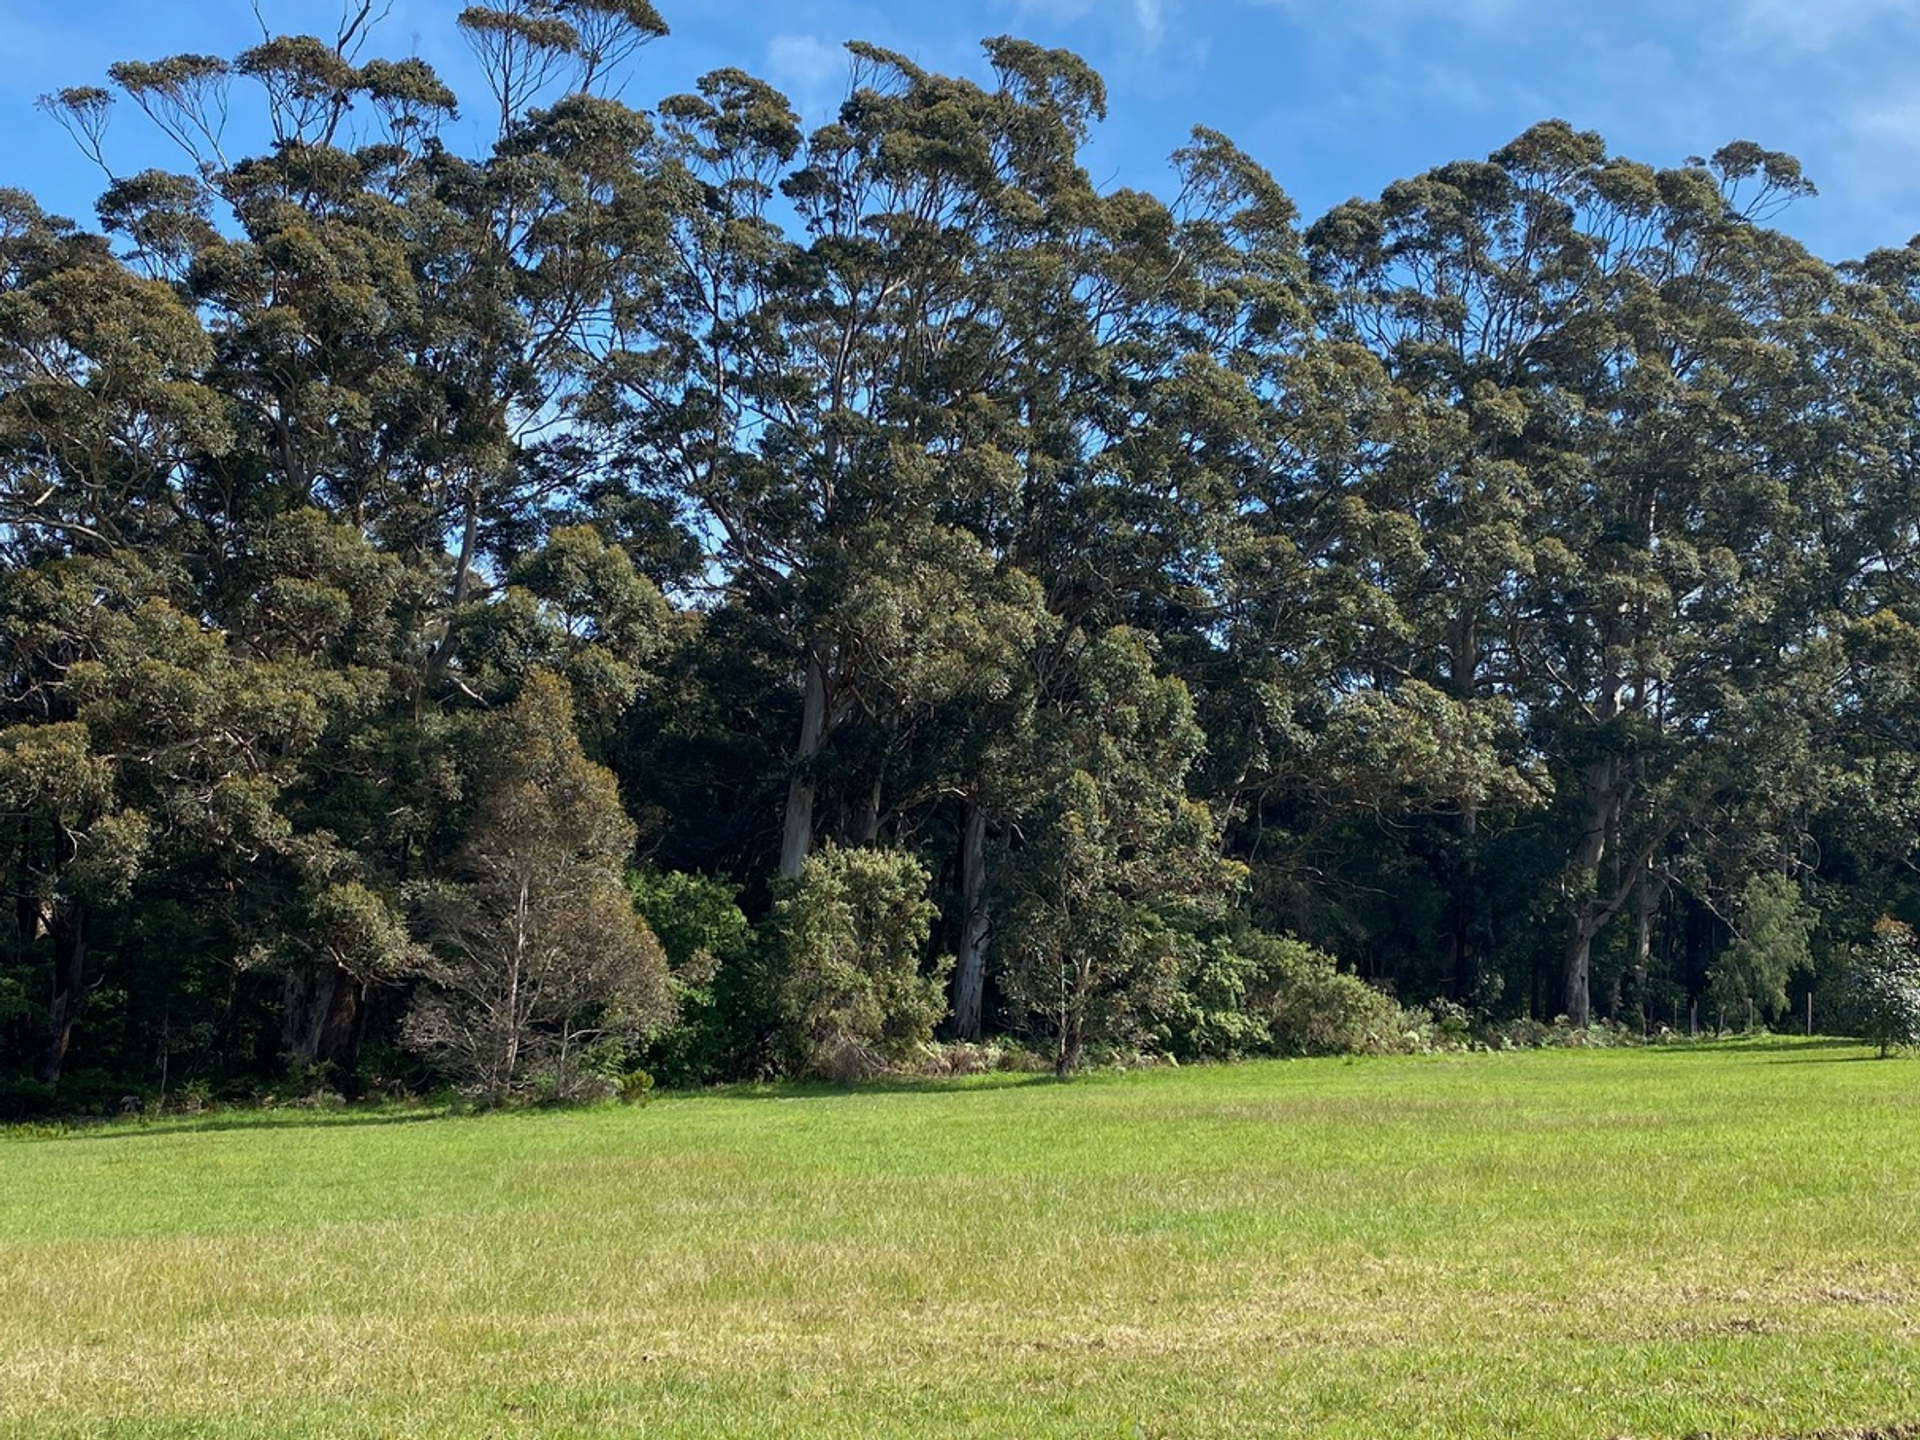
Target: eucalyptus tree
[1455, 281]
[1865, 590]
[100, 409]
[399, 327]
[1600, 369]
[1114, 866]
[312, 401]
[833, 404]
[1675, 621]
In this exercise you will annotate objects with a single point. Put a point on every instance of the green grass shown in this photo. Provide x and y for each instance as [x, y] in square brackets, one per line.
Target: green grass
[1713, 1240]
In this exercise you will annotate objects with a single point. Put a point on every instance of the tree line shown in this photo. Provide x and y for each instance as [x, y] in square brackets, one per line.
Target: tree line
[677, 590]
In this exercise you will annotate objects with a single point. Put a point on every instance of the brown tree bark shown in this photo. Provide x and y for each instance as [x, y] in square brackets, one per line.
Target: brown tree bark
[320, 1017]
[68, 929]
[970, 967]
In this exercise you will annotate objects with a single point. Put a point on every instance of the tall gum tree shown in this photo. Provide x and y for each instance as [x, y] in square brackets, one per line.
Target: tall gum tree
[826, 402]
[348, 358]
[1603, 360]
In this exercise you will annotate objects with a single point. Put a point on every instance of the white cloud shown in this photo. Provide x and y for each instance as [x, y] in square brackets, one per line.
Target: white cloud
[1811, 27]
[1151, 17]
[1370, 16]
[1888, 120]
[1141, 46]
[1055, 12]
[812, 71]
[1144, 21]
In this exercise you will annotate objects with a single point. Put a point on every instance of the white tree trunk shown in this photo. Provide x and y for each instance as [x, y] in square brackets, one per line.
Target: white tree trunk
[797, 841]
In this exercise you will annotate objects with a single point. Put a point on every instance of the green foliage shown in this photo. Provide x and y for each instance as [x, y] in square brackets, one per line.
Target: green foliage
[1771, 945]
[576, 606]
[1882, 980]
[1215, 1013]
[722, 987]
[855, 993]
[1247, 992]
[539, 951]
[1477, 585]
[1116, 863]
[1312, 1007]
[697, 921]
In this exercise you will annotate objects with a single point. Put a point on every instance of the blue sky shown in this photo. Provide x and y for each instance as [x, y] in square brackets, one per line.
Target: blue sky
[1336, 98]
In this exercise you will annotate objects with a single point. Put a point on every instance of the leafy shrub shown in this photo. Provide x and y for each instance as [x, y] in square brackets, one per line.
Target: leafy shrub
[691, 916]
[193, 1098]
[1312, 1007]
[1452, 1024]
[1526, 1033]
[851, 930]
[962, 1057]
[635, 1088]
[1217, 1014]
[1248, 992]
[717, 976]
[1882, 987]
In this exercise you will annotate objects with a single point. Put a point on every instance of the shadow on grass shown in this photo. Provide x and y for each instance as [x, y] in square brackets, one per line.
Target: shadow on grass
[135, 1127]
[1778, 1049]
[887, 1085]
[1773, 1049]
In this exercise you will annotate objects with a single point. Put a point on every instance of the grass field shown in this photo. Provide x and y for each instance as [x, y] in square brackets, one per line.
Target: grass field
[1697, 1241]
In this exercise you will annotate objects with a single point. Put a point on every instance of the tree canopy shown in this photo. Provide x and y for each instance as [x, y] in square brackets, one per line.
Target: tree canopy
[999, 604]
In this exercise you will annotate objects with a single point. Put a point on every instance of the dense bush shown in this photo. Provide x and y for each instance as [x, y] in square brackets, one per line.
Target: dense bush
[850, 932]
[1882, 987]
[1253, 993]
[724, 1011]
[1214, 1016]
[1312, 1007]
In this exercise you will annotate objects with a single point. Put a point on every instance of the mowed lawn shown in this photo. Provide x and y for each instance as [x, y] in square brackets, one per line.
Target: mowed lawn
[1695, 1241]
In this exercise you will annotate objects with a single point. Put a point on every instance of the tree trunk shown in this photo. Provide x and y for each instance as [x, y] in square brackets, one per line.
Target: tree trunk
[441, 655]
[970, 968]
[797, 841]
[1072, 1045]
[319, 1018]
[1578, 1006]
[1073, 1018]
[1646, 897]
[1602, 805]
[68, 930]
